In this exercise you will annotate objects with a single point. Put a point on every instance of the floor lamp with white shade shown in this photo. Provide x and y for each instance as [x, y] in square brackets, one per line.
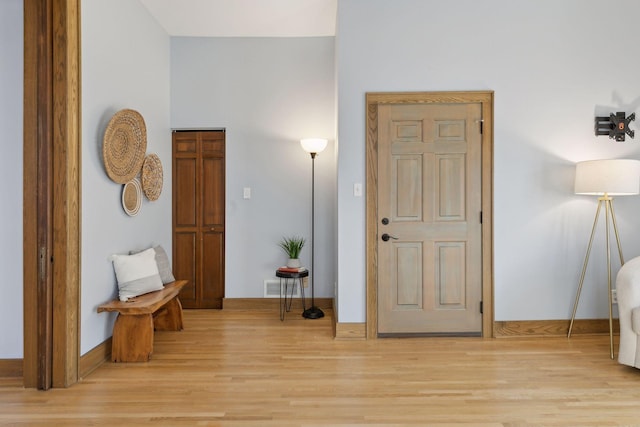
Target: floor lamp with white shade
[313, 146]
[605, 178]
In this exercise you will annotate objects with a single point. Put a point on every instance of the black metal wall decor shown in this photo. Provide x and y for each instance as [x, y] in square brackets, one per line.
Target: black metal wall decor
[616, 125]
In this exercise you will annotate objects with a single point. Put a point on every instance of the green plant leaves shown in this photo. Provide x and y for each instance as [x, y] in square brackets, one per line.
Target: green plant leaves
[292, 246]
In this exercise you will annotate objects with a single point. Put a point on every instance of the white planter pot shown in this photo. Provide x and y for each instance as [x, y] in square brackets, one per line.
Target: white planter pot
[293, 263]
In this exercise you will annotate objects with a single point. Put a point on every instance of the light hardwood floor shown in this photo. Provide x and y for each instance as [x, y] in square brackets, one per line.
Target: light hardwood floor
[241, 368]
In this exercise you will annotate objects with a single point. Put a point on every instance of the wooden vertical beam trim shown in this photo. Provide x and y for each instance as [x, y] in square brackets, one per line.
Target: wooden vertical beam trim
[371, 218]
[30, 195]
[488, 329]
[66, 191]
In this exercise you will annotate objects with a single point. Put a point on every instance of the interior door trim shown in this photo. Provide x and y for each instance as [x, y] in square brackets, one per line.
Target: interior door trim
[373, 100]
[52, 116]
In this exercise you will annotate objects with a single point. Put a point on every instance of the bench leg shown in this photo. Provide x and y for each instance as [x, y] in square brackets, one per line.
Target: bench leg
[132, 338]
[169, 317]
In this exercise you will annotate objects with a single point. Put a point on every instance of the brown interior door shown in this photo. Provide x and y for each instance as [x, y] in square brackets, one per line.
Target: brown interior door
[198, 216]
[429, 225]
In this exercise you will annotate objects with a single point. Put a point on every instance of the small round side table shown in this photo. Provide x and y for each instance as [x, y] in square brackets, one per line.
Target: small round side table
[286, 279]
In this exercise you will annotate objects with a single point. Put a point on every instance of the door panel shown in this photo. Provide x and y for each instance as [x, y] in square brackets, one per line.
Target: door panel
[429, 163]
[184, 264]
[185, 181]
[212, 270]
[199, 216]
[450, 187]
[450, 275]
[407, 188]
[213, 192]
[212, 143]
[409, 277]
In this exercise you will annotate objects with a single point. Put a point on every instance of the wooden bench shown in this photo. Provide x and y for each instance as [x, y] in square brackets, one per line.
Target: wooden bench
[138, 317]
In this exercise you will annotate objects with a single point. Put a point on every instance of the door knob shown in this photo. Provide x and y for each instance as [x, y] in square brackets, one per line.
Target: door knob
[385, 221]
[386, 237]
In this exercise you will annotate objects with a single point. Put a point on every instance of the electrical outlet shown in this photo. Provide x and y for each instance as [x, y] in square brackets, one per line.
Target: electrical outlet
[614, 296]
[305, 282]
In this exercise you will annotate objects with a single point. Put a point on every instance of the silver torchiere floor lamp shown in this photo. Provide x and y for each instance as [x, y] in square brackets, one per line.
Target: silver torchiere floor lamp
[605, 178]
[313, 146]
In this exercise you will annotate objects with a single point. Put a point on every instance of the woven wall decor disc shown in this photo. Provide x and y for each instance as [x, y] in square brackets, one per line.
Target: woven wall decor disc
[152, 177]
[132, 197]
[124, 145]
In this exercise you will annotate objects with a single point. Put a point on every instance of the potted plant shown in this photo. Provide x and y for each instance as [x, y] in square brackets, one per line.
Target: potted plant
[292, 247]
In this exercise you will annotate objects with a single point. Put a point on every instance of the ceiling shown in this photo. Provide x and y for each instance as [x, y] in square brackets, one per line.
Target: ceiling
[245, 18]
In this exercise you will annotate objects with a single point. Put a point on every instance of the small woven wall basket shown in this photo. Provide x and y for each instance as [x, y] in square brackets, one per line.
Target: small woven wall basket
[132, 197]
[124, 145]
[152, 177]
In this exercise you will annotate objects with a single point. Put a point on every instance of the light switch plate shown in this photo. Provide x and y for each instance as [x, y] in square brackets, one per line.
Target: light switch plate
[246, 193]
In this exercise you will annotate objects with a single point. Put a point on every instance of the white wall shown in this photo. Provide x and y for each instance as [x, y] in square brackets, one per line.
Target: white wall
[553, 65]
[268, 93]
[11, 43]
[125, 64]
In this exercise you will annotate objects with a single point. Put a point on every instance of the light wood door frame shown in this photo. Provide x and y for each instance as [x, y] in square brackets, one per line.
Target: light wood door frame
[52, 121]
[373, 100]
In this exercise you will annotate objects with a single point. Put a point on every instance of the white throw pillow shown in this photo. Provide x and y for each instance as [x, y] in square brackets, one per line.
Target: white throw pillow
[164, 266]
[137, 274]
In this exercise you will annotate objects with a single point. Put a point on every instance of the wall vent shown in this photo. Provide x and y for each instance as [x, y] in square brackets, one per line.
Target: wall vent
[272, 289]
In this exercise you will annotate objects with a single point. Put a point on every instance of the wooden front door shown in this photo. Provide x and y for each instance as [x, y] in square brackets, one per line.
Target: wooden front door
[198, 216]
[429, 233]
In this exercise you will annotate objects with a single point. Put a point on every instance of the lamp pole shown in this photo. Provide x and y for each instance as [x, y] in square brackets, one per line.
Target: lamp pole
[313, 312]
[313, 146]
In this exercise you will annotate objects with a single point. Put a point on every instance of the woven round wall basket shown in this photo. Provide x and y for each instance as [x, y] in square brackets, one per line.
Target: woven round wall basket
[132, 197]
[152, 177]
[124, 145]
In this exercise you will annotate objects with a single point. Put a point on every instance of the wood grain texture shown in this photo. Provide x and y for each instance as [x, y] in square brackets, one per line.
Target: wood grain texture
[429, 97]
[11, 368]
[52, 128]
[372, 217]
[487, 215]
[558, 328]
[246, 368]
[147, 303]
[429, 186]
[133, 331]
[350, 331]
[198, 194]
[169, 317]
[132, 338]
[32, 127]
[95, 357]
[373, 101]
[66, 191]
[272, 304]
